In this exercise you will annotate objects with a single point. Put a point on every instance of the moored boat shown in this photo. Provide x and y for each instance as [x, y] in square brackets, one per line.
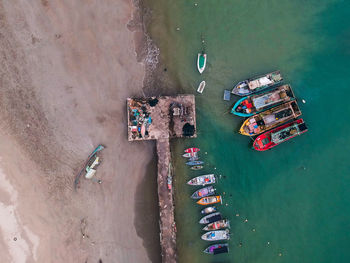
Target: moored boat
[197, 167]
[203, 192]
[280, 134]
[189, 155]
[201, 87]
[210, 200]
[216, 235]
[195, 163]
[208, 210]
[257, 84]
[220, 224]
[201, 62]
[217, 249]
[192, 150]
[202, 180]
[269, 119]
[257, 103]
[211, 218]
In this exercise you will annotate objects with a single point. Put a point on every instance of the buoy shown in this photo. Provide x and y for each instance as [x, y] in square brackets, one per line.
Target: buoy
[304, 101]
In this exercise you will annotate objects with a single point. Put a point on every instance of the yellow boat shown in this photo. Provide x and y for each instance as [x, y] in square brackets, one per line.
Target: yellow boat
[269, 119]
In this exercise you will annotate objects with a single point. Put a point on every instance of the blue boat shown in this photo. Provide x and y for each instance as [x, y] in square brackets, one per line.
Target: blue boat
[251, 105]
[194, 163]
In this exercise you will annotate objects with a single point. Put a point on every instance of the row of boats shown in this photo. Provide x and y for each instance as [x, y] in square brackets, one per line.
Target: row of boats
[216, 226]
[271, 110]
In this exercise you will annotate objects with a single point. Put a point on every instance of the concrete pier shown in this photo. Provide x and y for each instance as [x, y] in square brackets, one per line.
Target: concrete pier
[161, 119]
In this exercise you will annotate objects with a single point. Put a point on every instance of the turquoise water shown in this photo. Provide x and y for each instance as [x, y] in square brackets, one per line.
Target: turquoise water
[295, 196]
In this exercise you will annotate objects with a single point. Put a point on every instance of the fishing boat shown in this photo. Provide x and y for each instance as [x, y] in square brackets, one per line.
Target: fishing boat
[216, 235]
[210, 200]
[217, 249]
[269, 119]
[194, 158]
[217, 225]
[201, 87]
[192, 150]
[227, 95]
[257, 84]
[202, 180]
[201, 62]
[250, 105]
[194, 163]
[197, 167]
[210, 218]
[280, 134]
[208, 210]
[203, 192]
[189, 155]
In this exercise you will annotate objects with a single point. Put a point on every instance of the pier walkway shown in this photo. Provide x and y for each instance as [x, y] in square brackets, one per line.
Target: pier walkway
[161, 119]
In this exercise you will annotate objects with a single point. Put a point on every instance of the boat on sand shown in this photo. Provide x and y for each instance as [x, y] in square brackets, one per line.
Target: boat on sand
[208, 210]
[257, 84]
[203, 192]
[210, 218]
[201, 62]
[217, 249]
[210, 200]
[216, 235]
[202, 180]
[257, 103]
[217, 225]
[201, 87]
[269, 119]
[280, 134]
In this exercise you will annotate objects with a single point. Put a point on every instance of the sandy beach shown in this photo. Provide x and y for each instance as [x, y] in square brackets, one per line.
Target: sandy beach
[66, 69]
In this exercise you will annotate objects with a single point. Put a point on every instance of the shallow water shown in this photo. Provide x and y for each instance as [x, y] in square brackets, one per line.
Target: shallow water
[295, 196]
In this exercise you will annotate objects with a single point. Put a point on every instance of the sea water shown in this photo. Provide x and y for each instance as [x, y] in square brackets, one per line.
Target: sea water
[289, 204]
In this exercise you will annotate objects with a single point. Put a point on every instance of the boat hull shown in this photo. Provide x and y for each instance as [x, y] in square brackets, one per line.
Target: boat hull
[216, 235]
[217, 249]
[201, 62]
[210, 218]
[202, 180]
[208, 210]
[203, 192]
[209, 200]
[192, 150]
[201, 87]
[221, 224]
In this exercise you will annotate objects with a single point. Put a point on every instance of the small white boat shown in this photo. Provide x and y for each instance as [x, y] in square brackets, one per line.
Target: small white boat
[201, 87]
[216, 235]
[201, 62]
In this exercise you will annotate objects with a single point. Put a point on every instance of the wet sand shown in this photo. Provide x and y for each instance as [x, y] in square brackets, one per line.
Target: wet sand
[66, 69]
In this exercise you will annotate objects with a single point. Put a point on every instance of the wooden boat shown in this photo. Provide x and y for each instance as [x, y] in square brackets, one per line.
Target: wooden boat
[201, 87]
[280, 134]
[202, 180]
[197, 167]
[250, 105]
[216, 235]
[269, 119]
[194, 162]
[203, 192]
[217, 249]
[257, 84]
[208, 210]
[189, 155]
[192, 150]
[201, 62]
[211, 218]
[210, 200]
[217, 225]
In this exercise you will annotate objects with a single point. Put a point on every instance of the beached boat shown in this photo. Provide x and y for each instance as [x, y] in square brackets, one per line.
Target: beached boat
[280, 134]
[203, 192]
[189, 155]
[201, 62]
[216, 235]
[210, 200]
[250, 105]
[270, 119]
[201, 87]
[197, 167]
[192, 150]
[257, 84]
[208, 210]
[195, 163]
[217, 249]
[220, 224]
[202, 180]
[211, 218]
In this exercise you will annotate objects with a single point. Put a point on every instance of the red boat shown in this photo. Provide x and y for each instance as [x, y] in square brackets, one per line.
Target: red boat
[192, 150]
[280, 134]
